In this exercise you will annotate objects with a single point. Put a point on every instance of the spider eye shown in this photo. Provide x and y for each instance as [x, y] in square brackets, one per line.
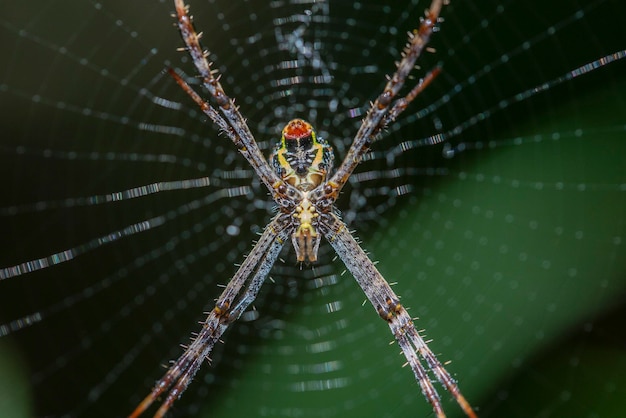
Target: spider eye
[297, 129]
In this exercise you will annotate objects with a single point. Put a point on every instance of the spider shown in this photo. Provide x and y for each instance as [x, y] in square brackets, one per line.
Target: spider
[301, 181]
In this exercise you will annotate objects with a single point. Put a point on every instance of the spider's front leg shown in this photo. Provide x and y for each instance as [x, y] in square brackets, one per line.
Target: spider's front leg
[388, 306]
[385, 108]
[233, 301]
[228, 119]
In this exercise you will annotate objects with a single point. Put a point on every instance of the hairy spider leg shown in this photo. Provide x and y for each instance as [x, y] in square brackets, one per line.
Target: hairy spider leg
[389, 308]
[375, 117]
[233, 301]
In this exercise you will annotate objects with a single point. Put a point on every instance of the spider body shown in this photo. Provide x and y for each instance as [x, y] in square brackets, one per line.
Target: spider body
[299, 179]
[304, 161]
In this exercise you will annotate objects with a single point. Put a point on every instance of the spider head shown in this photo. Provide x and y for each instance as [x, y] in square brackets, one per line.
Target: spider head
[298, 129]
[301, 158]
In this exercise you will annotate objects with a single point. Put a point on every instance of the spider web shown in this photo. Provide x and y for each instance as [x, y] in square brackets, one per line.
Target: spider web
[506, 239]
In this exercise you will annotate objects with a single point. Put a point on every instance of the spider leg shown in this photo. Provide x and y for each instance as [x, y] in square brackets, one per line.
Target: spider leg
[388, 306]
[402, 103]
[206, 107]
[233, 122]
[375, 118]
[229, 306]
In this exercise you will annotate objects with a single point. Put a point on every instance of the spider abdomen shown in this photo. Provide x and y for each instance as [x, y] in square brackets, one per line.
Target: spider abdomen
[305, 239]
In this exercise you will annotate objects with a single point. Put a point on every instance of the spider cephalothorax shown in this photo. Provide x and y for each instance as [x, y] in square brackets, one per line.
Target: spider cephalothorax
[301, 158]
